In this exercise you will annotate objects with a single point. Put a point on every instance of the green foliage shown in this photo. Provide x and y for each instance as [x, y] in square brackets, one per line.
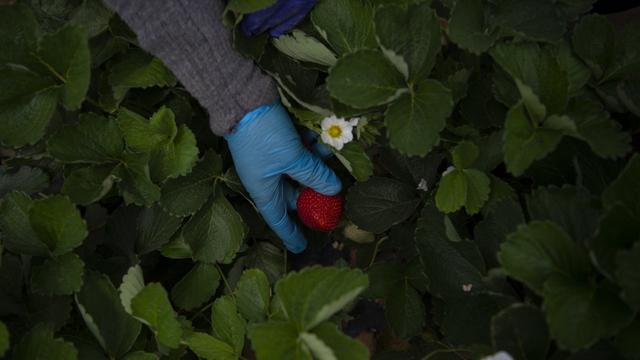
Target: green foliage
[307, 299]
[494, 168]
[4, 339]
[151, 306]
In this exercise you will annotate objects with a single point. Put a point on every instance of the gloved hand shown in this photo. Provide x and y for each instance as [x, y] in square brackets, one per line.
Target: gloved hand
[265, 146]
[277, 18]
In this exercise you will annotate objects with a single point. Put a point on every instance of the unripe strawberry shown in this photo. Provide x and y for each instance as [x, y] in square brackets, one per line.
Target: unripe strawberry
[319, 212]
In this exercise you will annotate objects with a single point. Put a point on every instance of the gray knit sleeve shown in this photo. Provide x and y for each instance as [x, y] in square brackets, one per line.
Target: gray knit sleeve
[189, 37]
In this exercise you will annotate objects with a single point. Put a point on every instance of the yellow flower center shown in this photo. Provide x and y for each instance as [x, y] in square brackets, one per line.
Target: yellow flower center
[335, 131]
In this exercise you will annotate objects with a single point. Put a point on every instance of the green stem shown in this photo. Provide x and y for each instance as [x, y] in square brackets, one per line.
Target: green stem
[444, 351]
[224, 279]
[51, 69]
[375, 251]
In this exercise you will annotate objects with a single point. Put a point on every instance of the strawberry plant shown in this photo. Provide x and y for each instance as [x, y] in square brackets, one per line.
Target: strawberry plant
[488, 150]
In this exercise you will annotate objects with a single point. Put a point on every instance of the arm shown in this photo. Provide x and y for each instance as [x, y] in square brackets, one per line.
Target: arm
[188, 36]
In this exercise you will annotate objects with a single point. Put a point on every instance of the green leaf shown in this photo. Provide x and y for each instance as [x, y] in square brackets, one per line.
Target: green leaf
[175, 159]
[618, 229]
[4, 339]
[415, 120]
[177, 248]
[227, 325]
[346, 24]
[629, 94]
[594, 42]
[40, 344]
[531, 19]
[521, 331]
[26, 179]
[248, 6]
[93, 139]
[354, 157]
[136, 185]
[521, 134]
[447, 264]
[573, 208]
[467, 320]
[593, 125]
[151, 306]
[196, 287]
[66, 55]
[463, 187]
[314, 294]
[267, 257]
[18, 235]
[28, 97]
[626, 188]
[277, 341]
[137, 69]
[106, 318]
[626, 341]
[208, 347]
[303, 47]
[18, 34]
[364, 79]
[628, 274]
[577, 72]
[405, 310]
[140, 355]
[469, 28]
[253, 295]
[58, 276]
[409, 37]
[383, 277]
[342, 346]
[379, 203]
[538, 69]
[464, 154]
[89, 184]
[539, 250]
[571, 304]
[146, 135]
[58, 224]
[626, 61]
[93, 16]
[216, 232]
[155, 227]
[492, 231]
[132, 284]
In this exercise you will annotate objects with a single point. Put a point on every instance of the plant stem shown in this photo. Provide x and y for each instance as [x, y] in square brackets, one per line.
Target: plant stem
[224, 279]
[375, 251]
[441, 351]
[51, 69]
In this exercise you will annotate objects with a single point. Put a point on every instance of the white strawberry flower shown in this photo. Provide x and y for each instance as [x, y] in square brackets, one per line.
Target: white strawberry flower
[467, 287]
[337, 131]
[500, 355]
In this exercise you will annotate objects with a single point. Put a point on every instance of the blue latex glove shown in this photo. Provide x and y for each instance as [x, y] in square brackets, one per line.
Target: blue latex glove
[265, 146]
[277, 19]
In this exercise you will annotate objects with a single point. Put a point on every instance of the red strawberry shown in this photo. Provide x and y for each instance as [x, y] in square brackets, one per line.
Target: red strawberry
[319, 212]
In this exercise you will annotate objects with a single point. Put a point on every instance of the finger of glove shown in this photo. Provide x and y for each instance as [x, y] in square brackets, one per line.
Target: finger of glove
[257, 22]
[311, 171]
[310, 139]
[291, 195]
[288, 15]
[297, 10]
[273, 208]
[288, 24]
